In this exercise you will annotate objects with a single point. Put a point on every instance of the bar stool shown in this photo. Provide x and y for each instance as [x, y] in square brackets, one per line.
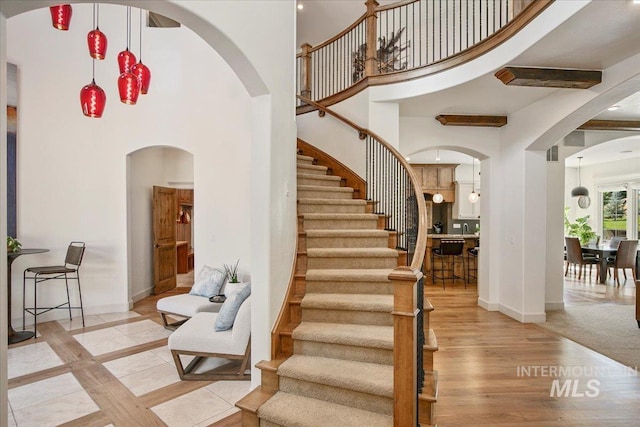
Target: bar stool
[68, 271]
[472, 259]
[449, 250]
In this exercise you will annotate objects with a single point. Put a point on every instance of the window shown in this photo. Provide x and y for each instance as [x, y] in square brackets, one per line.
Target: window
[614, 214]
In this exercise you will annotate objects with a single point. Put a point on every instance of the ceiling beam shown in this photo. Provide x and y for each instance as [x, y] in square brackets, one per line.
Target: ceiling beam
[469, 120]
[549, 77]
[633, 125]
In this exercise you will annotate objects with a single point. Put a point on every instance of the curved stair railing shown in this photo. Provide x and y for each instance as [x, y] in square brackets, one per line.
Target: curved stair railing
[396, 191]
[407, 40]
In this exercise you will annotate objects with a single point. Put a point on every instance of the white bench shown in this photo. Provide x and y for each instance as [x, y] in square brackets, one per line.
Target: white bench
[198, 337]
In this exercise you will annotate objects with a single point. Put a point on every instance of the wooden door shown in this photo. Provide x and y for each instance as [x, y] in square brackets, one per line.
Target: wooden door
[164, 239]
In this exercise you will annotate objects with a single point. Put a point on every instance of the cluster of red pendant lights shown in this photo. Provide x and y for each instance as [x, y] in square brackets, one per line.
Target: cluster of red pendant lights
[134, 77]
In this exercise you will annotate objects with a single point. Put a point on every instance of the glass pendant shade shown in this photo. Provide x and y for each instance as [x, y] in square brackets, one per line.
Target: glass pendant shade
[126, 60]
[97, 42]
[92, 100]
[61, 16]
[129, 88]
[438, 198]
[144, 75]
[473, 197]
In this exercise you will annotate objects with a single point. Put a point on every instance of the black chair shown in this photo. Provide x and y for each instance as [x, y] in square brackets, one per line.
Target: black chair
[472, 261]
[449, 250]
[69, 271]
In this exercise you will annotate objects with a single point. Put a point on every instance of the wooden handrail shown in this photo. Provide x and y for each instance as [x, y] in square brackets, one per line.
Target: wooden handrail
[421, 239]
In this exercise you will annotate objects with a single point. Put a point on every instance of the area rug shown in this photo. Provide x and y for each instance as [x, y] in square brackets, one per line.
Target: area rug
[609, 329]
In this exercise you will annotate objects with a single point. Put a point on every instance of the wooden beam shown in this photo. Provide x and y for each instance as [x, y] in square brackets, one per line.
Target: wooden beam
[469, 120]
[549, 77]
[633, 125]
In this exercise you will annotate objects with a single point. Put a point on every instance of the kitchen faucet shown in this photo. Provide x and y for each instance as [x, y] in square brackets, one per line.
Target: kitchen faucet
[465, 228]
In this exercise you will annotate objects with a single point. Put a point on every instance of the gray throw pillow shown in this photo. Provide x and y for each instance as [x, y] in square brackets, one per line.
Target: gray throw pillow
[229, 310]
[208, 283]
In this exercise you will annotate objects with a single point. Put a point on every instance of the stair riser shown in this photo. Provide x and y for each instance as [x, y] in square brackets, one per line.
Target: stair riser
[368, 402]
[327, 181]
[265, 423]
[327, 194]
[343, 352]
[323, 263]
[427, 358]
[347, 316]
[304, 160]
[425, 412]
[347, 242]
[304, 208]
[322, 287]
[339, 224]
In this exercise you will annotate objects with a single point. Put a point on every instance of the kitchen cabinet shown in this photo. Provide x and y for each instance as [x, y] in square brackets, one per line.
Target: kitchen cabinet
[463, 208]
[437, 179]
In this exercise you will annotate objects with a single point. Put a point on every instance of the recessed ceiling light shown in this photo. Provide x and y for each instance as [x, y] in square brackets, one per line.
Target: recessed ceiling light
[613, 108]
[300, 6]
[407, 158]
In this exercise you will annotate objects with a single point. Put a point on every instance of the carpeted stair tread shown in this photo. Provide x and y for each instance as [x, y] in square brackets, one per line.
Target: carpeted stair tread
[347, 233]
[310, 201]
[308, 168]
[290, 410]
[304, 158]
[346, 334]
[315, 176]
[324, 188]
[370, 378]
[352, 252]
[340, 216]
[353, 302]
[350, 275]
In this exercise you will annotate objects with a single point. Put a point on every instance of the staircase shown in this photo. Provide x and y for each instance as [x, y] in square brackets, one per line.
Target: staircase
[337, 353]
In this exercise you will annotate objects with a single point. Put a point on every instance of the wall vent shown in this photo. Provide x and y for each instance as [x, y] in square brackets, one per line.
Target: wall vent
[552, 154]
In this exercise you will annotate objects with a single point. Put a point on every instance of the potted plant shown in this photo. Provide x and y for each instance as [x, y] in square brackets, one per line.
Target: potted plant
[13, 245]
[579, 228]
[231, 271]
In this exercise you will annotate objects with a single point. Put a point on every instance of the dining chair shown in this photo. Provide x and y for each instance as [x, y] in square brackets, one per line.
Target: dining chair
[70, 270]
[625, 258]
[449, 250]
[576, 257]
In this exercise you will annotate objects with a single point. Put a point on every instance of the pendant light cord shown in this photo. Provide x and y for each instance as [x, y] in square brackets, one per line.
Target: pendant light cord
[140, 36]
[128, 26]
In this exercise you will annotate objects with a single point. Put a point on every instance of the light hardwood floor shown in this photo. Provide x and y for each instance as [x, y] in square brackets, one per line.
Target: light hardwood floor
[482, 365]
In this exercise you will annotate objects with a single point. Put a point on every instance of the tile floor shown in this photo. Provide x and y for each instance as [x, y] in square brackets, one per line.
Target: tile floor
[55, 397]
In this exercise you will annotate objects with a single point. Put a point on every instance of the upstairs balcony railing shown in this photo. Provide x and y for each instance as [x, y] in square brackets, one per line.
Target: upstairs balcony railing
[407, 40]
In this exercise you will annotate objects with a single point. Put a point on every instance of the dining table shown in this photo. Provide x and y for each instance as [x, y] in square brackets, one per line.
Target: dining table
[603, 251]
[17, 336]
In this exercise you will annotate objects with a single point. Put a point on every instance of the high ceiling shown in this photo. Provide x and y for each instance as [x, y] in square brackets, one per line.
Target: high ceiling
[600, 35]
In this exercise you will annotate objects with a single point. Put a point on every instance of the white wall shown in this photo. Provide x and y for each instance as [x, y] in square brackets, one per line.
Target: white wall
[72, 169]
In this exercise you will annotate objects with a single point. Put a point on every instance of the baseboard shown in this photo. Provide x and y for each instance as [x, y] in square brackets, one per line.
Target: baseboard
[489, 306]
[523, 317]
[554, 306]
[141, 295]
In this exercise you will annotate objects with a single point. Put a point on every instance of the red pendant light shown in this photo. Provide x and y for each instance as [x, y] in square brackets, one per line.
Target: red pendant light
[92, 100]
[96, 39]
[126, 60]
[143, 74]
[61, 16]
[140, 70]
[129, 88]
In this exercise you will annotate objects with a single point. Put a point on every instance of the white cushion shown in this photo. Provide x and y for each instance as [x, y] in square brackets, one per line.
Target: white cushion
[208, 282]
[187, 305]
[198, 334]
[229, 310]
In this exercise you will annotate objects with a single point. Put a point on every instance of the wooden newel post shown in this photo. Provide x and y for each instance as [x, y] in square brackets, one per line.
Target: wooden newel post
[405, 336]
[371, 62]
[305, 73]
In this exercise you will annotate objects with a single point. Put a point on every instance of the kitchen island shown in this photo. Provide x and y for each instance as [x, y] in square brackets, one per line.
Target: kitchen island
[433, 241]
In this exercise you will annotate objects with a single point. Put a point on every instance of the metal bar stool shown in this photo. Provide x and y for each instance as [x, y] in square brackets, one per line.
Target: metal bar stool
[449, 250]
[69, 271]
